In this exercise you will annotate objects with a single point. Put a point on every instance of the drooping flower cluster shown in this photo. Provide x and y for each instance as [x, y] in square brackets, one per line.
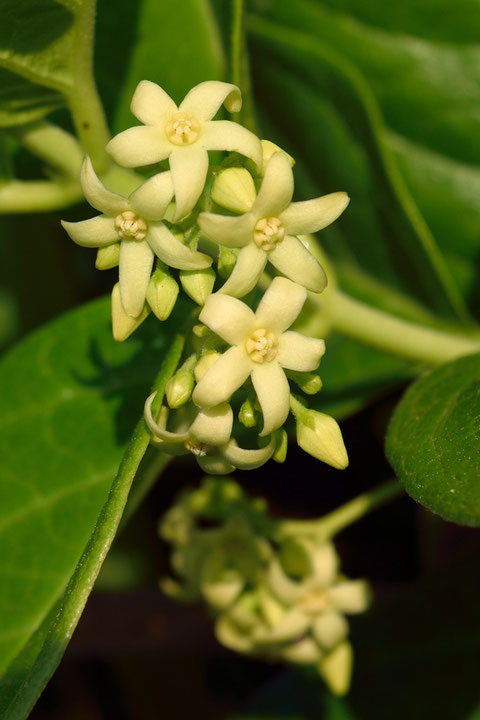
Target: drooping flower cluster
[240, 359]
[277, 597]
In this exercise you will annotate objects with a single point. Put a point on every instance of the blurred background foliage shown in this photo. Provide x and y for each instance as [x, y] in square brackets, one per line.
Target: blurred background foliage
[383, 101]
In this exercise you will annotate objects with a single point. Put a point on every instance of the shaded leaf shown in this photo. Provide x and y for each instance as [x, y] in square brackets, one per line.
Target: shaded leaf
[433, 441]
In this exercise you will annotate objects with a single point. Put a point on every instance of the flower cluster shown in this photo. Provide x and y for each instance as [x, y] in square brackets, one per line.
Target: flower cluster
[186, 216]
[271, 596]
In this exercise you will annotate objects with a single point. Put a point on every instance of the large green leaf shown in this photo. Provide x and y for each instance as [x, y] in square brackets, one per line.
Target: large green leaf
[178, 46]
[40, 41]
[70, 397]
[433, 441]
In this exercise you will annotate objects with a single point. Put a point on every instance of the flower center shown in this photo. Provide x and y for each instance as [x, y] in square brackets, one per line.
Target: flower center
[182, 130]
[198, 448]
[262, 346]
[268, 233]
[130, 226]
[315, 602]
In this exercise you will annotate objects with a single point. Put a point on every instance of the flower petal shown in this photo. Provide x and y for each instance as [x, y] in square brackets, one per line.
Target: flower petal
[151, 104]
[324, 561]
[151, 199]
[329, 629]
[225, 376]
[352, 596]
[96, 232]
[280, 305]
[214, 464]
[188, 166]
[277, 187]
[213, 426]
[287, 590]
[204, 100]
[156, 429]
[299, 352]
[232, 232]
[293, 259]
[173, 252]
[292, 625]
[247, 459]
[303, 652]
[228, 317]
[140, 145]
[273, 393]
[248, 268]
[227, 135]
[302, 218]
[97, 194]
[135, 268]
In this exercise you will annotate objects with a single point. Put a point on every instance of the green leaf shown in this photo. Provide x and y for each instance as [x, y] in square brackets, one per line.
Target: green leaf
[178, 46]
[39, 43]
[69, 398]
[433, 441]
[413, 260]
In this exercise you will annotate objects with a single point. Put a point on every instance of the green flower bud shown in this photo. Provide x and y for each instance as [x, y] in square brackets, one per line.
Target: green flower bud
[226, 261]
[319, 435]
[179, 388]
[205, 362]
[234, 189]
[108, 257]
[336, 668]
[309, 383]
[198, 284]
[124, 325]
[281, 446]
[248, 416]
[268, 148]
[162, 293]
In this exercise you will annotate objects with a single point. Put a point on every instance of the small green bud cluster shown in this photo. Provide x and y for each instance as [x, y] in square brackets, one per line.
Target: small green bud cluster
[276, 596]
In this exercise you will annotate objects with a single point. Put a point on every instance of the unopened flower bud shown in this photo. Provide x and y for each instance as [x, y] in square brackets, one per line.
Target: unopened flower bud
[124, 325]
[309, 383]
[179, 388]
[108, 257]
[281, 446]
[234, 189]
[227, 259]
[336, 668]
[268, 149]
[162, 293]
[247, 415]
[198, 284]
[319, 435]
[205, 362]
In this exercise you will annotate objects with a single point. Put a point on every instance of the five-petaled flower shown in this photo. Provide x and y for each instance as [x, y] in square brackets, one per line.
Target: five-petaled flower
[183, 134]
[260, 348]
[206, 433]
[268, 231]
[137, 224]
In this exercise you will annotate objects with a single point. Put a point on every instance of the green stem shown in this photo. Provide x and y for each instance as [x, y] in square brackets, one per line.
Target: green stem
[394, 335]
[81, 583]
[239, 66]
[24, 196]
[53, 144]
[84, 102]
[329, 525]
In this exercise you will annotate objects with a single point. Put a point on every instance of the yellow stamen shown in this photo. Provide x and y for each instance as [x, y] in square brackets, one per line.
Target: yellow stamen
[182, 129]
[130, 226]
[262, 346]
[268, 232]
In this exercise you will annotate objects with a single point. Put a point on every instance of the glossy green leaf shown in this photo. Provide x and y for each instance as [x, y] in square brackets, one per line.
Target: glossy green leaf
[70, 399]
[39, 45]
[178, 45]
[433, 441]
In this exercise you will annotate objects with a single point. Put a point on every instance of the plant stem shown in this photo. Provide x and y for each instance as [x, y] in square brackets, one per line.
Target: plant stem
[239, 66]
[24, 196]
[394, 335]
[53, 144]
[329, 525]
[84, 102]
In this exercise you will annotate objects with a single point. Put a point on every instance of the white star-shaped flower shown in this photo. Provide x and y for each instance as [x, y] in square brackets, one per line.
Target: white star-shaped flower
[135, 222]
[268, 231]
[260, 348]
[183, 134]
[206, 433]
